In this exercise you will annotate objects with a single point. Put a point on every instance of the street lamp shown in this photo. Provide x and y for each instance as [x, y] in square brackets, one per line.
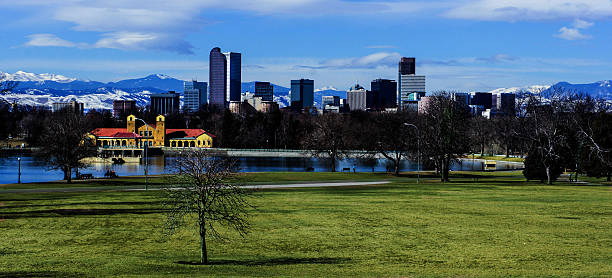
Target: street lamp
[418, 151]
[146, 147]
[19, 173]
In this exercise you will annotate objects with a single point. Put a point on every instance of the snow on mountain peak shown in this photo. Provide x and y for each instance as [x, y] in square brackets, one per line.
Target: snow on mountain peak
[326, 88]
[513, 90]
[162, 76]
[28, 76]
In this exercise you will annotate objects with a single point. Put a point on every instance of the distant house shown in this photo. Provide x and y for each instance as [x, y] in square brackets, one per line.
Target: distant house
[153, 135]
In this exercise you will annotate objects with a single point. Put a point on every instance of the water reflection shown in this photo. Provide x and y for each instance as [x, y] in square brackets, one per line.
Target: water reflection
[35, 170]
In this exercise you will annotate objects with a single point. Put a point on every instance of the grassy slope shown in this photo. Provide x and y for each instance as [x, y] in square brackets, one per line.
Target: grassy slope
[492, 227]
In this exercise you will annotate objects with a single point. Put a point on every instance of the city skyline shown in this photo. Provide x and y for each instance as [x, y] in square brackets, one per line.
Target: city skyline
[466, 45]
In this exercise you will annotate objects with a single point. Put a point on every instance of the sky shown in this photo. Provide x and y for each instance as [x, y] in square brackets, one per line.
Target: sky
[461, 45]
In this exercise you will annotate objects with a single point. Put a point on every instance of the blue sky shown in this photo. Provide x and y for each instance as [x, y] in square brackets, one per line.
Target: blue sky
[460, 45]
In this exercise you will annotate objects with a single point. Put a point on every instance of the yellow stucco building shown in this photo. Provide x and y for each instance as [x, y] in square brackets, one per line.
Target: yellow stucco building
[154, 135]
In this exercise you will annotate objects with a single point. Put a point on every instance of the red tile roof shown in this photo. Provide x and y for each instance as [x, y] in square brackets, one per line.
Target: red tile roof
[182, 133]
[108, 132]
[114, 132]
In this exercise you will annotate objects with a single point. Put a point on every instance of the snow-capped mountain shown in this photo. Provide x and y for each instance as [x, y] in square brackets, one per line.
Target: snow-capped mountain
[33, 77]
[600, 89]
[534, 89]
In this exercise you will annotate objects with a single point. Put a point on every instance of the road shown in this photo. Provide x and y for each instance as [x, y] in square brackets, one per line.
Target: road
[140, 188]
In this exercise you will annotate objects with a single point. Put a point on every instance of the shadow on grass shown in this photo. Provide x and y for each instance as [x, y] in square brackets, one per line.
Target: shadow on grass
[36, 274]
[86, 203]
[75, 212]
[272, 261]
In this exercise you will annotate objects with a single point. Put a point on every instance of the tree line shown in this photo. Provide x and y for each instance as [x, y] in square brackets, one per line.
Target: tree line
[555, 132]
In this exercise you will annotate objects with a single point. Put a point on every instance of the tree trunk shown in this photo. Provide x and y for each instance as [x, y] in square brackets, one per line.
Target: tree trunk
[203, 251]
[333, 163]
[549, 180]
[609, 177]
[68, 174]
[397, 168]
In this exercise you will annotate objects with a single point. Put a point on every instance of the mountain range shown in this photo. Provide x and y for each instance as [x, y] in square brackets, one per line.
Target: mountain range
[44, 89]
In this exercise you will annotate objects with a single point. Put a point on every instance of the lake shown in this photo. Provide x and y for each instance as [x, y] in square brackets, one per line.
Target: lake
[34, 170]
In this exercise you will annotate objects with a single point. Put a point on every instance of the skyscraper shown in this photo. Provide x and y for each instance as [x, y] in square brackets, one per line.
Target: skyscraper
[357, 98]
[164, 104]
[265, 90]
[384, 92]
[233, 76]
[194, 95]
[302, 94]
[408, 82]
[217, 78]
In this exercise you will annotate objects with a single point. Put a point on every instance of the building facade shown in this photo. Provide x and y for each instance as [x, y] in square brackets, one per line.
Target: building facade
[151, 135]
[123, 107]
[483, 99]
[165, 104]
[217, 78]
[330, 100]
[233, 76]
[384, 93]
[265, 90]
[357, 98]
[408, 82]
[302, 94]
[73, 106]
[194, 95]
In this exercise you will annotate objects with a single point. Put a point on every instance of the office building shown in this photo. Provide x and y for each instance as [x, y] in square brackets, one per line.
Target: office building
[330, 100]
[505, 103]
[357, 98]
[194, 95]
[217, 78]
[482, 99]
[73, 106]
[265, 90]
[233, 75]
[462, 99]
[121, 107]
[302, 94]
[409, 83]
[384, 93]
[164, 104]
[423, 104]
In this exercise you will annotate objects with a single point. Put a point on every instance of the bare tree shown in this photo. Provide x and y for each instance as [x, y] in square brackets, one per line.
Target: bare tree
[547, 131]
[395, 140]
[65, 143]
[200, 188]
[327, 139]
[444, 131]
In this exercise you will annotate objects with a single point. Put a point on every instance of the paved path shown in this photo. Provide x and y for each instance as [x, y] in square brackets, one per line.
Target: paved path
[140, 188]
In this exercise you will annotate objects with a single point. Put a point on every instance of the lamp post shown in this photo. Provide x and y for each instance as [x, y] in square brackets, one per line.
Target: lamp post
[418, 151]
[19, 171]
[146, 147]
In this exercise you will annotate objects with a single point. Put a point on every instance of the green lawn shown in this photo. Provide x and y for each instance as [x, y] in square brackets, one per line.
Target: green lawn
[492, 227]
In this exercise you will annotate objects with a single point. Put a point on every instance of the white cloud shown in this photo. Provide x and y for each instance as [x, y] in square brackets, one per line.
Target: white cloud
[48, 40]
[375, 60]
[524, 10]
[574, 33]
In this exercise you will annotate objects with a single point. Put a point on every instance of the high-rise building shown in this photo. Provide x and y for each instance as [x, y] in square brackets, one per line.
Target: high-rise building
[121, 107]
[218, 78]
[233, 75]
[194, 95]
[483, 99]
[164, 104]
[73, 106]
[265, 90]
[302, 94]
[409, 83]
[384, 93]
[330, 100]
[506, 103]
[357, 98]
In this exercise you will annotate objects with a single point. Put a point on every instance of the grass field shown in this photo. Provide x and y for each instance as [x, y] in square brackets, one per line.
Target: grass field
[495, 226]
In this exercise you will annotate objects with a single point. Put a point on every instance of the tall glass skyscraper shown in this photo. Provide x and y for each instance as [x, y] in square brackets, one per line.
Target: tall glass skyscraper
[217, 77]
[409, 83]
[233, 76]
[265, 90]
[302, 93]
[194, 95]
